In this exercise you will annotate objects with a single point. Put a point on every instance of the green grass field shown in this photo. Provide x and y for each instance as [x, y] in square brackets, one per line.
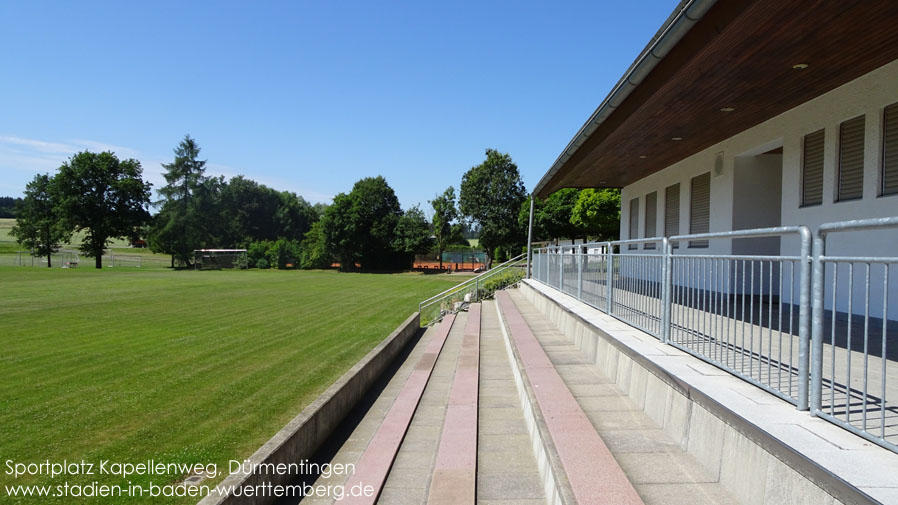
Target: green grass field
[194, 367]
[118, 248]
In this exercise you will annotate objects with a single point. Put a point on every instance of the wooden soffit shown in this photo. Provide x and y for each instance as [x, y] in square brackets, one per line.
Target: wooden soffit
[740, 55]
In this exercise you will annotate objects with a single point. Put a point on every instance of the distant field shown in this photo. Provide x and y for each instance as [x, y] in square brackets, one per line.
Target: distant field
[119, 248]
[130, 365]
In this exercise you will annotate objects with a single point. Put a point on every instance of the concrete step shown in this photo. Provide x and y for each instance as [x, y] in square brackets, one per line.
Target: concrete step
[507, 469]
[590, 472]
[454, 474]
[659, 468]
[467, 441]
[397, 429]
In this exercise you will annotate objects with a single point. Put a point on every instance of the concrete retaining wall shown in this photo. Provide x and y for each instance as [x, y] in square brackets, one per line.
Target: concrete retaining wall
[302, 436]
[754, 466]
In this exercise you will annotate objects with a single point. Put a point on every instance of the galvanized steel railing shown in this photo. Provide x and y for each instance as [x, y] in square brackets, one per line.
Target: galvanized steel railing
[741, 313]
[855, 352]
[472, 289]
[752, 315]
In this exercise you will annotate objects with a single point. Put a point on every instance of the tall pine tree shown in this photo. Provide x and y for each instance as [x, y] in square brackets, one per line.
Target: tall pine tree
[180, 227]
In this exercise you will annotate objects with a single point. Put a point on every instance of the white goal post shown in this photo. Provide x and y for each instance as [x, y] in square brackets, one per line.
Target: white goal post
[217, 259]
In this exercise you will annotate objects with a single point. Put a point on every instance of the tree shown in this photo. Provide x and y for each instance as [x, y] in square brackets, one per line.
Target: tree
[597, 212]
[444, 212]
[8, 206]
[360, 226]
[249, 211]
[104, 197]
[294, 216]
[552, 216]
[412, 235]
[491, 194]
[178, 229]
[38, 225]
[313, 252]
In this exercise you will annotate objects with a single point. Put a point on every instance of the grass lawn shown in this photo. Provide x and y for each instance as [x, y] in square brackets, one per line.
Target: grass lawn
[194, 367]
[118, 247]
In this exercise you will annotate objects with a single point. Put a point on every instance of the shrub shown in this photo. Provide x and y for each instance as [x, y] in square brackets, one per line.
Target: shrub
[262, 263]
[500, 281]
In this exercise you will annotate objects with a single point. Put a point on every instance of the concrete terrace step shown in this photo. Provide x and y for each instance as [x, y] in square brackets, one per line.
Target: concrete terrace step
[592, 472]
[377, 459]
[659, 468]
[467, 440]
[454, 475]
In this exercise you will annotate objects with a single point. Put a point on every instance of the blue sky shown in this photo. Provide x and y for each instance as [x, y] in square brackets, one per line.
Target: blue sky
[310, 97]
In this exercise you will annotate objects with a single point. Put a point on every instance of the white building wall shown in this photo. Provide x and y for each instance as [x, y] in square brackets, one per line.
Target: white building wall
[867, 95]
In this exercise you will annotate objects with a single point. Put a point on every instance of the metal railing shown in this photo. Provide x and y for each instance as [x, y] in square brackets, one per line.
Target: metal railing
[748, 314]
[473, 289]
[852, 352]
[755, 315]
[741, 313]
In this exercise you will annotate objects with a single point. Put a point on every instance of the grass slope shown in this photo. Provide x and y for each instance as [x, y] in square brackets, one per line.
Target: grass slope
[194, 367]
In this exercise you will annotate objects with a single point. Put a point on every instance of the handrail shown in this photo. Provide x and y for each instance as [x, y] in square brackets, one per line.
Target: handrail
[472, 279]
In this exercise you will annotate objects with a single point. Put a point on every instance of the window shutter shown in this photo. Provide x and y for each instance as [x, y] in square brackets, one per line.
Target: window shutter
[812, 169]
[700, 208]
[672, 211]
[890, 151]
[651, 217]
[634, 221]
[851, 159]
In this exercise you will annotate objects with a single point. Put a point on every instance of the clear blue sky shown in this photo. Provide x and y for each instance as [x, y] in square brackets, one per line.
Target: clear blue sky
[310, 97]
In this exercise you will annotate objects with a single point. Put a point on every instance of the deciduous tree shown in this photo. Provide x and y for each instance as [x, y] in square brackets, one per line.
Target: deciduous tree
[104, 197]
[491, 194]
[444, 213]
[597, 212]
[39, 225]
[360, 226]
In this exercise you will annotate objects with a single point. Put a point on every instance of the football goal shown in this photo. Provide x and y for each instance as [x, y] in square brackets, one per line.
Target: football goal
[217, 259]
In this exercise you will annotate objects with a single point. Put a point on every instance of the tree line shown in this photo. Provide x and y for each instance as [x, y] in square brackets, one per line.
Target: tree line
[365, 228]
[8, 206]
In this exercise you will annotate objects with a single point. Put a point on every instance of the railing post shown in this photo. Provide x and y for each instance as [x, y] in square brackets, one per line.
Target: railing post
[561, 269]
[666, 284]
[529, 238]
[609, 278]
[476, 290]
[804, 317]
[816, 392]
[579, 274]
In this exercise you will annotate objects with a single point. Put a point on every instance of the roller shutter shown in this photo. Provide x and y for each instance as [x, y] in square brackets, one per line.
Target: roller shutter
[634, 221]
[672, 211]
[851, 159]
[700, 208]
[890, 151]
[812, 170]
[651, 217]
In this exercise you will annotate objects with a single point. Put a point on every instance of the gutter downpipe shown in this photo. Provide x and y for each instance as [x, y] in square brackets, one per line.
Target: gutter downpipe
[530, 236]
[677, 25]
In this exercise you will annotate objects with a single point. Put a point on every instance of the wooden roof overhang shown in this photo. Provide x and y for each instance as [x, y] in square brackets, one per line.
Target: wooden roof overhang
[739, 55]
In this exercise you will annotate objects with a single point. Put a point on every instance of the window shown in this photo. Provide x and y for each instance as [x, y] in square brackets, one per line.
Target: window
[812, 169]
[851, 160]
[634, 221]
[672, 212]
[889, 185]
[651, 217]
[700, 208]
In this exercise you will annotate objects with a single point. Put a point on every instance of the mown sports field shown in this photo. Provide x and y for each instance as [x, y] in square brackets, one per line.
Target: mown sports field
[194, 367]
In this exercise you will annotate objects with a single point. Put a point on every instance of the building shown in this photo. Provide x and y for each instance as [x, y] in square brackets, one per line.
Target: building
[776, 122]
[752, 114]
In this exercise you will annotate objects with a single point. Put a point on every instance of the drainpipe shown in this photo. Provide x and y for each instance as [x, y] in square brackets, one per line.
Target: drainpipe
[530, 236]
